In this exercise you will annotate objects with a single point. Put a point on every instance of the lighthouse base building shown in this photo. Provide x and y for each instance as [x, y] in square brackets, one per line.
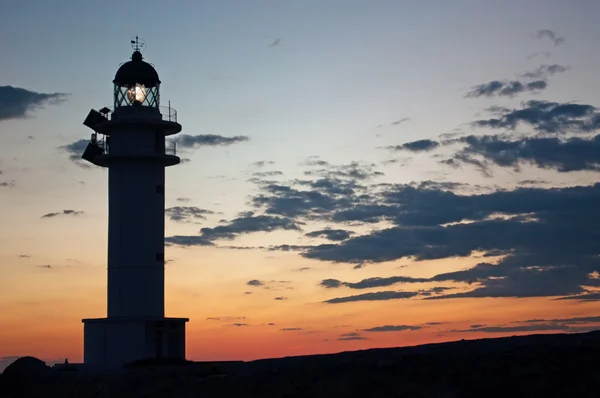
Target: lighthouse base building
[113, 342]
[130, 141]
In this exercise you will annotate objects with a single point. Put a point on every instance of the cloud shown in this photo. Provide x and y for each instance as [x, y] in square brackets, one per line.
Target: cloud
[544, 71]
[514, 329]
[17, 103]
[239, 324]
[75, 150]
[331, 283]
[547, 117]
[562, 155]
[290, 329]
[310, 199]
[392, 328]
[225, 318]
[416, 146]
[583, 297]
[351, 337]
[532, 182]
[263, 174]
[505, 88]
[525, 226]
[7, 184]
[574, 320]
[280, 298]
[63, 213]
[275, 43]
[183, 199]
[551, 35]
[270, 285]
[520, 233]
[568, 325]
[262, 163]
[314, 161]
[197, 141]
[371, 282]
[377, 296]
[460, 158]
[434, 290]
[502, 280]
[247, 223]
[354, 171]
[535, 81]
[400, 121]
[183, 240]
[187, 213]
[330, 234]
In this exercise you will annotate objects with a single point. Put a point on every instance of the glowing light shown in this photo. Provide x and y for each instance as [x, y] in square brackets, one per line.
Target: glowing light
[136, 94]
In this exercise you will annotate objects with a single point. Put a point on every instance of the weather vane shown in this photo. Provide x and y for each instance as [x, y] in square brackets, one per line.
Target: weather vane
[136, 44]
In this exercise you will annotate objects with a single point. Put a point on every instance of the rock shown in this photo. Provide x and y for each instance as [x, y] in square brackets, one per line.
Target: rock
[384, 363]
[20, 377]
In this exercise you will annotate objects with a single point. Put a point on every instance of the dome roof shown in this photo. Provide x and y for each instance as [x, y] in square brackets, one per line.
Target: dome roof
[136, 71]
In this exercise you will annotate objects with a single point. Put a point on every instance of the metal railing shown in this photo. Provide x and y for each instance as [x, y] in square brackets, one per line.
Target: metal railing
[102, 144]
[171, 147]
[167, 113]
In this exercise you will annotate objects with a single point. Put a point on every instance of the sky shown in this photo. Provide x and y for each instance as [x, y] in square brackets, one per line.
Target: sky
[354, 174]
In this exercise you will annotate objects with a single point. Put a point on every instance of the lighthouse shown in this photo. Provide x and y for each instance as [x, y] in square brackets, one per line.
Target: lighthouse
[131, 139]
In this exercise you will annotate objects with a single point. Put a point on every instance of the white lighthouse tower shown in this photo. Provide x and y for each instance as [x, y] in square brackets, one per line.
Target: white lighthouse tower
[130, 140]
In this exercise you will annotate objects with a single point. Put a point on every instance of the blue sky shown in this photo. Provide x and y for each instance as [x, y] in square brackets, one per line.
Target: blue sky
[304, 81]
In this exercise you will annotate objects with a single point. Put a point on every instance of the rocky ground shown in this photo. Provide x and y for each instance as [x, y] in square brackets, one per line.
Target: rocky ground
[564, 365]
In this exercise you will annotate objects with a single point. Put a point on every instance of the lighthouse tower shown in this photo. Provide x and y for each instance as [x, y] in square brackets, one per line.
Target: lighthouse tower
[130, 140]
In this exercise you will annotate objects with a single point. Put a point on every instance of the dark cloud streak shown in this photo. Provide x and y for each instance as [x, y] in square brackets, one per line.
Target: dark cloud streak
[17, 103]
[197, 141]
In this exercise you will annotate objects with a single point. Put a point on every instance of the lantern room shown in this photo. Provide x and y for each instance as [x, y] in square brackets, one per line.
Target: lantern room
[136, 83]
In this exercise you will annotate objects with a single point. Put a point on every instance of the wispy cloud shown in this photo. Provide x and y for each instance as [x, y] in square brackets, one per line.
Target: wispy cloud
[75, 150]
[400, 121]
[506, 88]
[63, 213]
[7, 184]
[550, 35]
[187, 213]
[197, 141]
[415, 146]
[392, 328]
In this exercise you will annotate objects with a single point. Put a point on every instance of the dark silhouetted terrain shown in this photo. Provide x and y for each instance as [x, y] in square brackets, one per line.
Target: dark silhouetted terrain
[559, 365]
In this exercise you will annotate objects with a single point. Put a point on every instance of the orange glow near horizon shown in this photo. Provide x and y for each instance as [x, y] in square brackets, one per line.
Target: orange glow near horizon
[43, 317]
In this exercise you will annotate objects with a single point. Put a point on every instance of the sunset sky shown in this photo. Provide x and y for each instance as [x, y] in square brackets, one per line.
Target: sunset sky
[356, 174]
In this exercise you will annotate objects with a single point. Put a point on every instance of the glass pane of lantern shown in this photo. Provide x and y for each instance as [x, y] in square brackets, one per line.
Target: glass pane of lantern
[136, 93]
